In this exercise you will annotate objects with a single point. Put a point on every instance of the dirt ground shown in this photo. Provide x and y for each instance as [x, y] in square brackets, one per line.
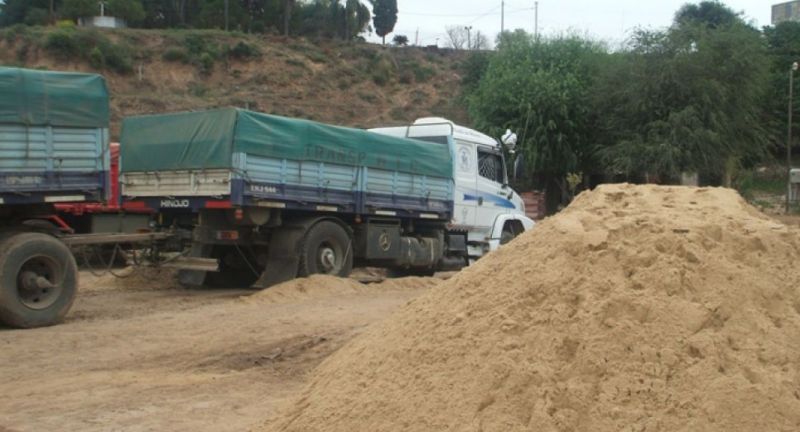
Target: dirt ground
[144, 355]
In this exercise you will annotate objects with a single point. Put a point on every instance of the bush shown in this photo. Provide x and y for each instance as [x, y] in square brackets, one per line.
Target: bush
[422, 73]
[96, 58]
[380, 79]
[243, 51]
[206, 64]
[175, 55]
[92, 47]
[62, 44]
[118, 60]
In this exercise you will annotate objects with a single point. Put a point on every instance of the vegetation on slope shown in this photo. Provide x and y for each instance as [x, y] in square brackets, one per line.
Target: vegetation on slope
[152, 71]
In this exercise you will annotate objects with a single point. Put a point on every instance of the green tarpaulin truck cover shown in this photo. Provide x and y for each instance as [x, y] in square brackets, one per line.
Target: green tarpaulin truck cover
[43, 98]
[209, 139]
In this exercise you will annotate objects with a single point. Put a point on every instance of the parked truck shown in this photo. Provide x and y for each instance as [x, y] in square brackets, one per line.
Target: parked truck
[53, 149]
[264, 199]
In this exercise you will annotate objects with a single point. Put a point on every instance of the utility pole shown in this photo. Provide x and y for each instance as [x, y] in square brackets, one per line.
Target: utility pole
[469, 37]
[502, 16]
[536, 20]
[227, 3]
[416, 39]
[794, 67]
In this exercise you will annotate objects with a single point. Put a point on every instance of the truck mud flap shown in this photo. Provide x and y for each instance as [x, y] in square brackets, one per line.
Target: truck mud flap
[283, 258]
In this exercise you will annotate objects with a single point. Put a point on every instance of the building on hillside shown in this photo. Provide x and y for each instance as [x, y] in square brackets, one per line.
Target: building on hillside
[102, 20]
[788, 11]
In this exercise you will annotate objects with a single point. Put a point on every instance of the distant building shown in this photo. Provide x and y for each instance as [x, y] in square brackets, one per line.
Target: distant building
[789, 11]
[102, 21]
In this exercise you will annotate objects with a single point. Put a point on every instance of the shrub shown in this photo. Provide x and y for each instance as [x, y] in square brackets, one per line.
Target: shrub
[16, 31]
[96, 58]
[175, 55]
[380, 79]
[92, 47]
[62, 44]
[422, 73]
[118, 60]
[243, 51]
[317, 57]
[206, 64]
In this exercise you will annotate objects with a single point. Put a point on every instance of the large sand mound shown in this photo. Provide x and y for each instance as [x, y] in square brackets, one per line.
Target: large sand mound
[636, 309]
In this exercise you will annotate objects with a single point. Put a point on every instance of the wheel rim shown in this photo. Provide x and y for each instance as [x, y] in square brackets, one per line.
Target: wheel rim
[39, 282]
[328, 260]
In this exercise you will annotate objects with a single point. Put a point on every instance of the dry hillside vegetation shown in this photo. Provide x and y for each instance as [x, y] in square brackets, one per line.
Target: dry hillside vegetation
[353, 84]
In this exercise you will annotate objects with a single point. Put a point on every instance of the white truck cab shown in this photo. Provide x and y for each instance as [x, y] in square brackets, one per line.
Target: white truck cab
[485, 205]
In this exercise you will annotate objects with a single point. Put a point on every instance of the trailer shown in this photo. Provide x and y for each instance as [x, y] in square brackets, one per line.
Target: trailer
[55, 168]
[264, 199]
[53, 149]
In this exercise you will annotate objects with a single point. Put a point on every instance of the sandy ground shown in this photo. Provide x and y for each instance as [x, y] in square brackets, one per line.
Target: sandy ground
[143, 355]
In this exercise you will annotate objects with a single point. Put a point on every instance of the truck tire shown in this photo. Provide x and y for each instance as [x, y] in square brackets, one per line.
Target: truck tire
[326, 249]
[38, 280]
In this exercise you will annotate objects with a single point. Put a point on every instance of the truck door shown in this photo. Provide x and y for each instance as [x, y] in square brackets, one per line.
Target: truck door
[491, 185]
[466, 199]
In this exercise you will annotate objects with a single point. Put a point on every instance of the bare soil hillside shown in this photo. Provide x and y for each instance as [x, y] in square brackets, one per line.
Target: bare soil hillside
[149, 71]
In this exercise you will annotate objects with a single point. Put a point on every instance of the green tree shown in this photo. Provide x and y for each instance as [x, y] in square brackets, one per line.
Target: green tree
[689, 98]
[212, 15]
[783, 42]
[710, 14]
[131, 11]
[75, 9]
[385, 17]
[19, 11]
[540, 89]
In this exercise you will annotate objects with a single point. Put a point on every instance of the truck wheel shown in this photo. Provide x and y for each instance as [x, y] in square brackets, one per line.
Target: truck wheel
[38, 280]
[327, 249]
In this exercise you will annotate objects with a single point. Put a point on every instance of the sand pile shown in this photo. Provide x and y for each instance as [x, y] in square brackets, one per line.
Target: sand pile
[320, 286]
[636, 309]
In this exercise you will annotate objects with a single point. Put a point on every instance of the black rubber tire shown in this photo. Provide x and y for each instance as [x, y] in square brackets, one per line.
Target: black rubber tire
[41, 254]
[326, 235]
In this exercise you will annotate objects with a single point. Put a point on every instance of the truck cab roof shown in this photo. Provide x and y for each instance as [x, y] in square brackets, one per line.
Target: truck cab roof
[428, 127]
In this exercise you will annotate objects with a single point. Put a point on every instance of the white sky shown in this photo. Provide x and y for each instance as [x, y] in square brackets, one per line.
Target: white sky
[609, 20]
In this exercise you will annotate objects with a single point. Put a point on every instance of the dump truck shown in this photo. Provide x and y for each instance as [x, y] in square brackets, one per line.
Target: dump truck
[53, 149]
[263, 199]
